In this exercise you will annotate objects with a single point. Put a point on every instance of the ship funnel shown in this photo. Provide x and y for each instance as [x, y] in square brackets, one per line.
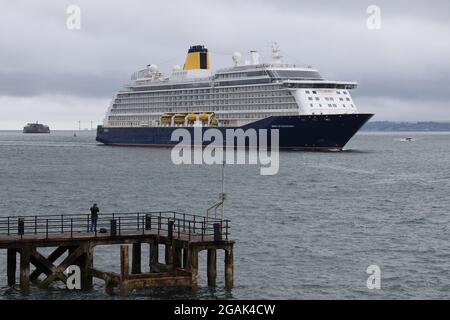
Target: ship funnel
[197, 58]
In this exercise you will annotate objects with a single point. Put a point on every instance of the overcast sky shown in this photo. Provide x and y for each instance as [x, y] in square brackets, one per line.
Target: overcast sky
[59, 76]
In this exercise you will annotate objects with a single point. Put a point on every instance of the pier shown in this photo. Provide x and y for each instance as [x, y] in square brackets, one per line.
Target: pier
[182, 236]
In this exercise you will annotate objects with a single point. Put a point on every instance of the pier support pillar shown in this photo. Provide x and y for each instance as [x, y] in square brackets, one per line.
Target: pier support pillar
[124, 270]
[169, 254]
[136, 259]
[229, 268]
[25, 268]
[86, 262]
[192, 265]
[212, 267]
[109, 287]
[177, 258]
[185, 258]
[11, 267]
[154, 256]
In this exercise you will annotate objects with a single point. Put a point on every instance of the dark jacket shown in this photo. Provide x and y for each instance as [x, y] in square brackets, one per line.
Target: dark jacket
[94, 212]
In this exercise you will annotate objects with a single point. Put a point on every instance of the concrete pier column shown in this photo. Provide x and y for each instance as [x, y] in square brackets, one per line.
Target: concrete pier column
[192, 264]
[153, 256]
[169, 254]
[109, 287]
[124, 270]
[25, 268]
[86, 263]
[229, 268]
[185, 258]
[11, 267]
[212, 267]
[136, 259]
[177, 257]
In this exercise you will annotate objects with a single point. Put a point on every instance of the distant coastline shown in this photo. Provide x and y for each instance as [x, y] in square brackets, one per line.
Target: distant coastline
[420, 126]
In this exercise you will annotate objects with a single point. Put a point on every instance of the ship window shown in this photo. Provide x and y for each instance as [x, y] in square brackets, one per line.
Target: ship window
[348, 99]
[317, 98]
[315, 92]
[307, 91]
[311, 105]
[310, 98]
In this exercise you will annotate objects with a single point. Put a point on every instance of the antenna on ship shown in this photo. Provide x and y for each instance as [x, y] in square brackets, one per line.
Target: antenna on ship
[222, 197]
[276, 53]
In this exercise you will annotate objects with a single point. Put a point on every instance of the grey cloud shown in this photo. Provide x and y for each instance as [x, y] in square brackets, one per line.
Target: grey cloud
[86, 85]
[407, 59]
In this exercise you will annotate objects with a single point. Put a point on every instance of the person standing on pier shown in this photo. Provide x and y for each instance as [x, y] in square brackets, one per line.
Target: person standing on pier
[94, 217]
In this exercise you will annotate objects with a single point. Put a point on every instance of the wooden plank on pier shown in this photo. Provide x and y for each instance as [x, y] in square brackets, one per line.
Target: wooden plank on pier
[160, 267]
[104, 275]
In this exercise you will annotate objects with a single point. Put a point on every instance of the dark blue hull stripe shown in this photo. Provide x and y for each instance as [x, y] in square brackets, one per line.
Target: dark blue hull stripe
[316, 132]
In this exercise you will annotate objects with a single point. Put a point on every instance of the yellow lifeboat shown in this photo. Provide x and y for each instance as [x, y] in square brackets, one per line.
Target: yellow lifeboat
[192, 117]
[179, 118]
[166, 118]
[204, 116]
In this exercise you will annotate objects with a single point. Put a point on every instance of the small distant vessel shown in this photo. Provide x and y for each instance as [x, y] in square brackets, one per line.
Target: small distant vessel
[407, 139]
[36, 128]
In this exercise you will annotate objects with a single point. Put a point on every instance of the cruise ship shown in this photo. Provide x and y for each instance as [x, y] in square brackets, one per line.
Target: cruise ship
[309, 111]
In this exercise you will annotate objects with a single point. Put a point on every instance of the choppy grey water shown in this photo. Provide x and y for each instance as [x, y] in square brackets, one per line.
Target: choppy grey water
[308, 232]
